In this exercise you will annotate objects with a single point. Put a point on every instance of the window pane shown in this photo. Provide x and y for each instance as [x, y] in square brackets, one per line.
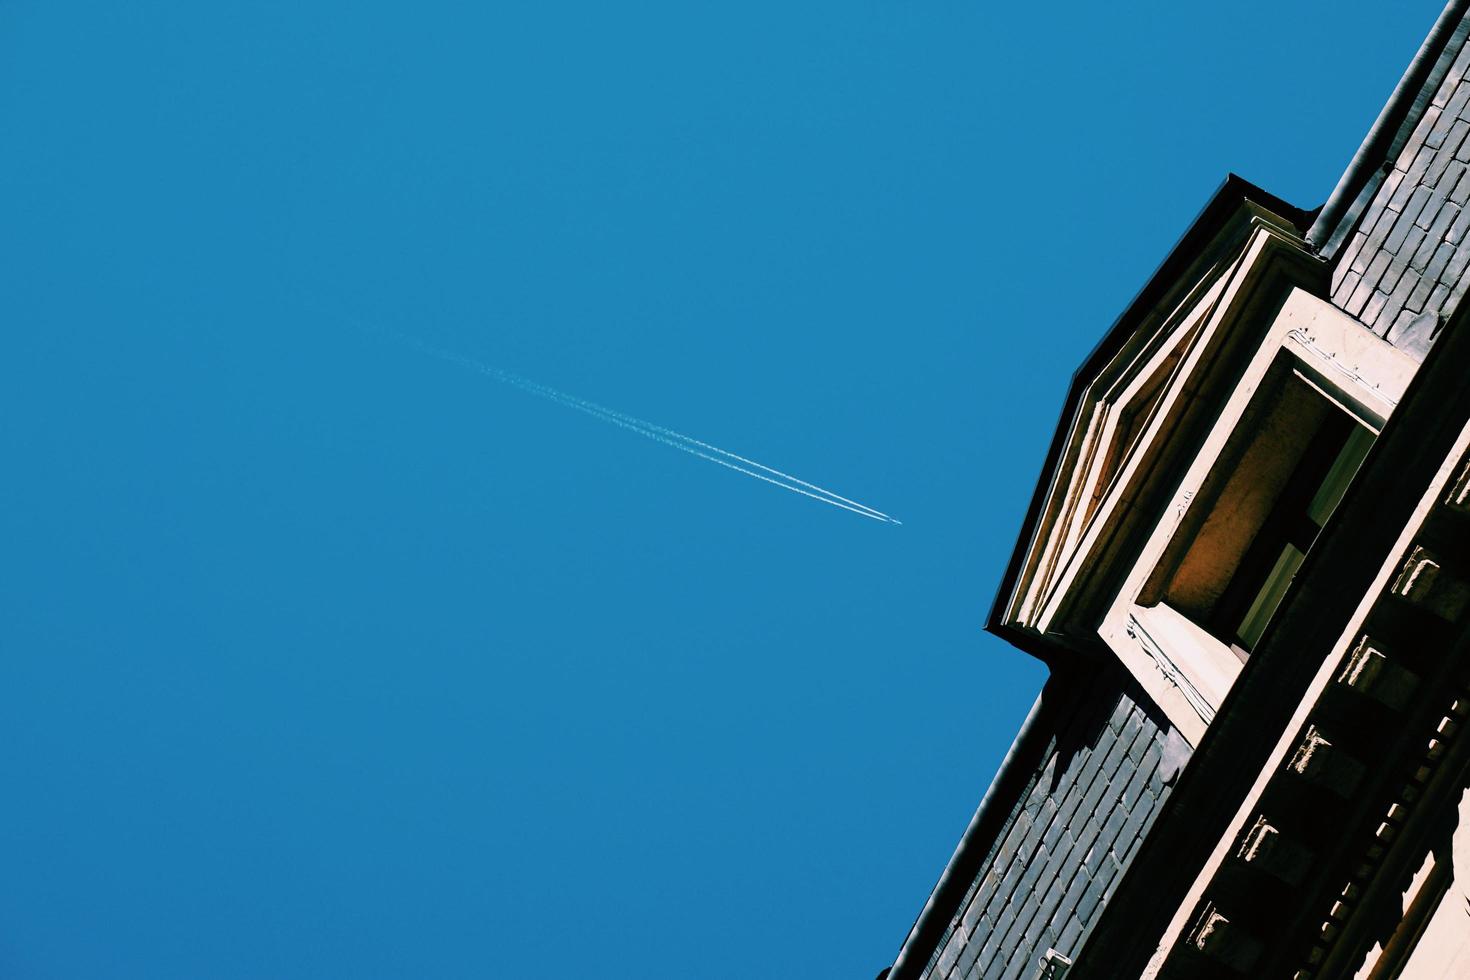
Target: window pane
[1270, 595]
[1340, 475]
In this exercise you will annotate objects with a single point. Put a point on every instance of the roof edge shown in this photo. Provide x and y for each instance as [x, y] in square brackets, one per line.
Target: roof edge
[1391, 130]
[922, 941]
[1227, 200]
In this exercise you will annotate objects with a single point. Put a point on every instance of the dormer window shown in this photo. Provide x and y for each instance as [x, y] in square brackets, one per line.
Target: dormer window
[1279, 458]
[1323, 472]
[1204, 448]
[1282, 472]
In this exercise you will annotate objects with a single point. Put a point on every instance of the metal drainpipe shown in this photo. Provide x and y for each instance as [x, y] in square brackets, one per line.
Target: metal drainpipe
[922, 939]
[1378, 145]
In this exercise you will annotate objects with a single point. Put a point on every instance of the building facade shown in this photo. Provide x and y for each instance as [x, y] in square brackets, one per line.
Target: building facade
[1247, 566]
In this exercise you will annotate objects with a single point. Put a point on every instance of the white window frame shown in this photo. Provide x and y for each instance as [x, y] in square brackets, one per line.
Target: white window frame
[1185, 669]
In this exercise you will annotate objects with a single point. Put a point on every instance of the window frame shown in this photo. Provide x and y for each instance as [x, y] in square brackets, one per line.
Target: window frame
[1181, 665]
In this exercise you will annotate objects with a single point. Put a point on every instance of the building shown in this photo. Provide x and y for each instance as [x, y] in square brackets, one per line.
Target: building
[1247, 566]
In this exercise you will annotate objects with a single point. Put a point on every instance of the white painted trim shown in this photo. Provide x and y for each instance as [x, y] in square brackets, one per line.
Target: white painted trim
[1331, 664]
[1203, 705]
[1355, 368]
[1193, 331]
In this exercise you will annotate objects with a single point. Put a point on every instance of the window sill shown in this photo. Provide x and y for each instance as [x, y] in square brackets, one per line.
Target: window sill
[1186, 670]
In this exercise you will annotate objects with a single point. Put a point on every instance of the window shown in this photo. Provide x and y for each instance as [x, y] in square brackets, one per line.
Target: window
[1279, 457]
[1282, 472]
[1324, 473]
[1204, 450]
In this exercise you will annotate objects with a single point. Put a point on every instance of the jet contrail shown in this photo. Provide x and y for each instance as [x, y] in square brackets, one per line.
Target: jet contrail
[657, 433]
[683, 443]
[650, 428]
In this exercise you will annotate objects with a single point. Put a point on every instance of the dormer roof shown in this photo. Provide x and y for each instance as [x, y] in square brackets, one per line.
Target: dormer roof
[1114, 398]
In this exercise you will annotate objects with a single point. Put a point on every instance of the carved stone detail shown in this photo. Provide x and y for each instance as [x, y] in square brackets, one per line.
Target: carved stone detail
[1266, 849]
[1318, 762]
[1224, 942]
[1423, 582]
[1458, 495]
[1368, 671]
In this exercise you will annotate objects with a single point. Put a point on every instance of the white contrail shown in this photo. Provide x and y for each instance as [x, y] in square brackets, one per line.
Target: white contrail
[651, 429]
[648, 430]
[611, 414]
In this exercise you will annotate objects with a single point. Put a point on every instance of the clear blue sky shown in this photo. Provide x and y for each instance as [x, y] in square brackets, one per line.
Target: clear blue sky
[320, 657]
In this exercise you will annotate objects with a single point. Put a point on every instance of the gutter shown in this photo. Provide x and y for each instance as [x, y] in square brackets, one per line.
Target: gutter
[974, 846]
[1386, 139]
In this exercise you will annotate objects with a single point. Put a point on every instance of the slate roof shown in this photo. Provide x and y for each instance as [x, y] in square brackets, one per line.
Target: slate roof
[1054, 864]
[1402, 264]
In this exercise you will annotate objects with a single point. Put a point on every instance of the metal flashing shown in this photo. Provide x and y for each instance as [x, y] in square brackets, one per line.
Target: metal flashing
[1390, 131]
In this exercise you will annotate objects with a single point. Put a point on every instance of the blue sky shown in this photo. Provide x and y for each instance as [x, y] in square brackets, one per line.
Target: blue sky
[322, 657]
